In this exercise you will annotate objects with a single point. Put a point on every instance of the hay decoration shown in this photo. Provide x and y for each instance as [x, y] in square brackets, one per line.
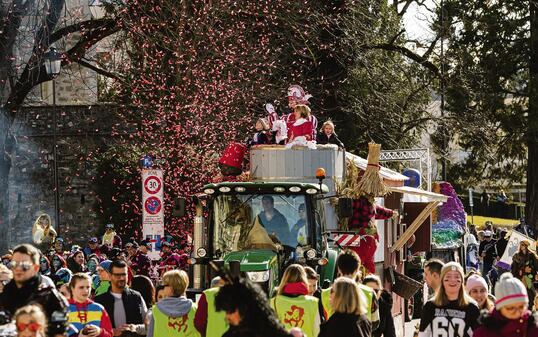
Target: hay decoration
[349, 187]
[372, 183]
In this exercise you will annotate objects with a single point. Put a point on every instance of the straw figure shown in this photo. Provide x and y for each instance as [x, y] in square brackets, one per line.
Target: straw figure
[363, 189]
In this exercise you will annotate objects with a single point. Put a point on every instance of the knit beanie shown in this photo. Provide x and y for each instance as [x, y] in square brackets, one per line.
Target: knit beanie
[509, 290]
[475, 281]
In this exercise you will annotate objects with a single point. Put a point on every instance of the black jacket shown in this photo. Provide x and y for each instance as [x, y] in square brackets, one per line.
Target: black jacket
[322, 139]
[386, 321]
[242, 331]
[346, 325]
[132, 303]
[34, 291]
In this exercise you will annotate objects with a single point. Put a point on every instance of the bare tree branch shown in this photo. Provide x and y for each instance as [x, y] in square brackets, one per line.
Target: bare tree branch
[98, 70]
[409, 54]
[79, 26]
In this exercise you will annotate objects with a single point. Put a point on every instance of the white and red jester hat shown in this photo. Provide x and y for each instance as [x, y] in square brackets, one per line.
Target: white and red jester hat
[296, 93]
[269, 108]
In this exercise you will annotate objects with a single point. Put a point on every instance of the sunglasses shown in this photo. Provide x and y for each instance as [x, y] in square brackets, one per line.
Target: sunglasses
[34, 327]
[24, 265]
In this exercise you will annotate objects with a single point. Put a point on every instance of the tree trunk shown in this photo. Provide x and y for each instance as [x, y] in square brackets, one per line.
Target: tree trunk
[531, 208]
[6, 150]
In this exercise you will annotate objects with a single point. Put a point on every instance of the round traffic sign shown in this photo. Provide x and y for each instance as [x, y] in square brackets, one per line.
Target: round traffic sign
[152, 184]
[153, 205]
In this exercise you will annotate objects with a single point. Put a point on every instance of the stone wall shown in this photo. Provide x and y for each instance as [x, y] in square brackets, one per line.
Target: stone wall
[81, 132]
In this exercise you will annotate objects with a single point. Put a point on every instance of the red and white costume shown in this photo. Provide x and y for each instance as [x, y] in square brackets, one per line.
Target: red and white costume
[290, 120]
[301, 134]
[297, 95]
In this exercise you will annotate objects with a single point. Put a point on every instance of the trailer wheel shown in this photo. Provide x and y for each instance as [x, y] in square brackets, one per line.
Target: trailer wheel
[409, 308]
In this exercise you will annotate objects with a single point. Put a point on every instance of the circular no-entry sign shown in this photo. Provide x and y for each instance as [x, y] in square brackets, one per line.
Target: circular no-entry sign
[152, 184]
[153, 205]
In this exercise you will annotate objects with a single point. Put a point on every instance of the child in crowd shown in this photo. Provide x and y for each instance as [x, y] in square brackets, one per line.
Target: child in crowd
[478, 289]
[30, 321]
[327, 135]
[86, 317]
[511, 316]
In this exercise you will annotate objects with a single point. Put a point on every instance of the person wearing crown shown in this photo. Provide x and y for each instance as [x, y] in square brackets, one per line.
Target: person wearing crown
[297, 96]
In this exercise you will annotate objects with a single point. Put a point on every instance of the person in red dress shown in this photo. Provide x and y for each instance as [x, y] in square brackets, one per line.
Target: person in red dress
[301, 130]
[297, 96]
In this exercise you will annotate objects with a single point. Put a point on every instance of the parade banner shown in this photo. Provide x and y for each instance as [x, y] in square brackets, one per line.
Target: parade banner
[511, 248]
[153, 209]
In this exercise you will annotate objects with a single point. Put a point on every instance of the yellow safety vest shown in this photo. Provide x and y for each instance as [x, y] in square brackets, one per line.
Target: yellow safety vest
[165, 326]
[366, 296]
[300, 311]
[216, 320]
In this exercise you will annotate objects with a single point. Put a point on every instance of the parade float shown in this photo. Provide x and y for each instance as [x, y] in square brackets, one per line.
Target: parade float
[348, 202]
[448, 228]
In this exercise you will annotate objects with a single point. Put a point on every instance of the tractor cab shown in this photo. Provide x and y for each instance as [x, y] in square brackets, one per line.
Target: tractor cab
[265, 226]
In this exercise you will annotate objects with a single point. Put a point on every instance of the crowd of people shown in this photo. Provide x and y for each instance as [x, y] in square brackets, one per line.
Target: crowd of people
[100, 295]
[465, 305]
[108, 288]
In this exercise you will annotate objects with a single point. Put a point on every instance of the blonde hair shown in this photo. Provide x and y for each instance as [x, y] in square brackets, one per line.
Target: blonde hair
[36, 313]
[294, 273]
[264, 123]
[441, 299]
[347, 299]
[328, 122]
[178, 280]
[303, 110]
[47, 228]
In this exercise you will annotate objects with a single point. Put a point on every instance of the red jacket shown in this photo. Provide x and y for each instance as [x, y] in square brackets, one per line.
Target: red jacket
[495, 325]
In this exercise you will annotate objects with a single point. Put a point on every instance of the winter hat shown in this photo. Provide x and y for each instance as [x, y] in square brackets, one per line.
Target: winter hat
[475, 281]
[63, 276]
[509, 290]
[452, 266]
[106, 265]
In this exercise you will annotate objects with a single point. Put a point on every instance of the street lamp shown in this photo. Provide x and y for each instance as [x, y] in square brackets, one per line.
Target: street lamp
[96, 9]
[53, 64]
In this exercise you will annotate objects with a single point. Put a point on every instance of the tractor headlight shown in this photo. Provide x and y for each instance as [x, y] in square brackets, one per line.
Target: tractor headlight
[310, 254]
[258, 276]
[201, 252]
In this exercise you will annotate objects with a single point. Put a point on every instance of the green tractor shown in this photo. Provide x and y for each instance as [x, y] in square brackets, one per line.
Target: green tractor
[264, 226]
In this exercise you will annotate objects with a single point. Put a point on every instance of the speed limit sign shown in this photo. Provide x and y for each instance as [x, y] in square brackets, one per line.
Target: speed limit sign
[152, 184]
[152, 207]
